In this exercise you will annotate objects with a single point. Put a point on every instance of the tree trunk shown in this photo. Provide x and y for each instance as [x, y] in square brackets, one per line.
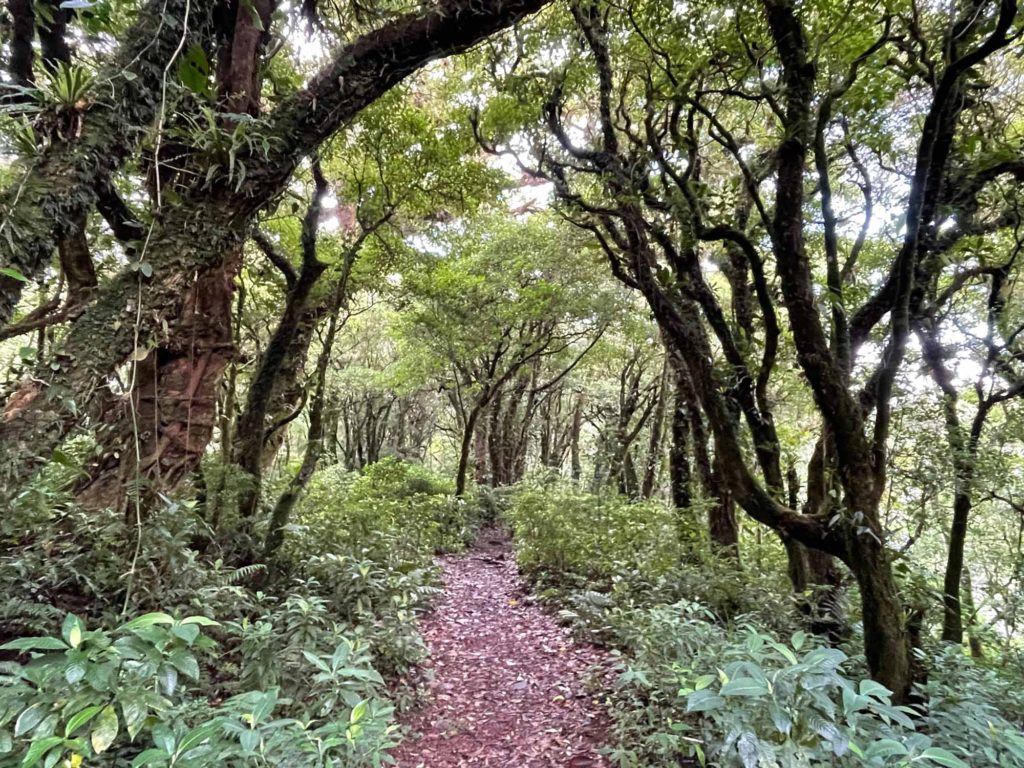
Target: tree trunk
[886, 643]
[653, 462]
[680, 476]
[973, 639]
[252, 424]
[315, 441]
[468, 431]
[483, 468]
[574, 440]
[162, 430]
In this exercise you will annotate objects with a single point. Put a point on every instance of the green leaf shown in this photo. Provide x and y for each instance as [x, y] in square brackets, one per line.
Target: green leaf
[358, 712]
[38, 749]
[196, 737]
[72, 630]
[201, 621]
[29, 719]
[134, 713]
[149, 757]
[704, 701]
[81, 719]
[703, 682]
[743, 686]
[942, 757]
[148, 619]
[885, 748]
[35, 644]
[168, 679]
[194, 71]
[185, 663]
[187, 632]
[13, 274]
[73, 673]
[105, 730]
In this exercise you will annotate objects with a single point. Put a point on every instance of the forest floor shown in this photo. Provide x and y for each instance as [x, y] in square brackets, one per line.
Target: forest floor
[510, 686]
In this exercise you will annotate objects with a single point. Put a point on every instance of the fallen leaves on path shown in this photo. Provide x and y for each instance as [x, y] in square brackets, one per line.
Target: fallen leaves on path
[509, 683]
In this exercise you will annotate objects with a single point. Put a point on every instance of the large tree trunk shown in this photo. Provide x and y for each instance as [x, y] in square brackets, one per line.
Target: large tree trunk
[161, 432]
[886, 642]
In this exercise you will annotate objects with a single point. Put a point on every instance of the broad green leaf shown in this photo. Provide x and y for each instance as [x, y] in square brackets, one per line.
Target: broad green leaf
[81, 719]
[105, 730]
[358, 712]
[704, 701]
[942, 757]
[196, 737]
[134, 713]
[743, 686]
[72, 630]
[148, 619]
[35, 644]
[38, 749]
[29, 719]
[884, 748]
[187, 632]
[73, 673]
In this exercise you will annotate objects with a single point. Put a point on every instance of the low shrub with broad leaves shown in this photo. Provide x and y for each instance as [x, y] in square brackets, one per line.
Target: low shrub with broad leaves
[716, 668]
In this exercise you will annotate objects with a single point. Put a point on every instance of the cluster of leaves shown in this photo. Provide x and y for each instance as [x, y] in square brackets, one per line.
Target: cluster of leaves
[602, 553]
[135, 693]
[704, 674]
[293, 671]
[393, 512]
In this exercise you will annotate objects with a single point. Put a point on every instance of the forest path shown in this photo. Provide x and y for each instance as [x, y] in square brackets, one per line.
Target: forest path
[509, 683]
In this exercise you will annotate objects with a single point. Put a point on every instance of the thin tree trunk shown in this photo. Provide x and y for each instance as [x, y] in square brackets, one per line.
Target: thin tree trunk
[574, 440]
[468, 432]
[653, 462]
[252, 426]
[315, 442]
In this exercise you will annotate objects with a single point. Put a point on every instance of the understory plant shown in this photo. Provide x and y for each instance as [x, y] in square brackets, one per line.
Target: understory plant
[715, 667]
[138, 695]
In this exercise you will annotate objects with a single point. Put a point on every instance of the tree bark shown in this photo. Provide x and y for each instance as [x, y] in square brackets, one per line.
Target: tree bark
[46, 201]
[315, 442]
[252, 426]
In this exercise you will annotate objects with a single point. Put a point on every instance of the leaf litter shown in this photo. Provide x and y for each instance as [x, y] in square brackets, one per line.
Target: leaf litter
[510, 686]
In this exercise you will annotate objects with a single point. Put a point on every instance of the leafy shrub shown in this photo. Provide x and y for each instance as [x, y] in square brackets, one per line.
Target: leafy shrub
[704, 675]
[569, 538]
[394, 512]
[605, 552]
[743, 699]
[93, 694]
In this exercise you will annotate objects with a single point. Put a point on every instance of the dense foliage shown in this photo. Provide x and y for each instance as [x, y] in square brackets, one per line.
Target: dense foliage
[717, 306]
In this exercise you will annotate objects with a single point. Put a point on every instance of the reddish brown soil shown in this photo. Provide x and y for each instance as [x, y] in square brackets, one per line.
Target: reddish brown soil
[509, 687]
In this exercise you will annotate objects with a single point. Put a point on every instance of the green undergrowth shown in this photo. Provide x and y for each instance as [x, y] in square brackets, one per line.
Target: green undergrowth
[299, 662]
[716, 668]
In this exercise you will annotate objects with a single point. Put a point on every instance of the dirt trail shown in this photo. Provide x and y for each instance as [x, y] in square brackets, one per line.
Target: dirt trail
[509, 683]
